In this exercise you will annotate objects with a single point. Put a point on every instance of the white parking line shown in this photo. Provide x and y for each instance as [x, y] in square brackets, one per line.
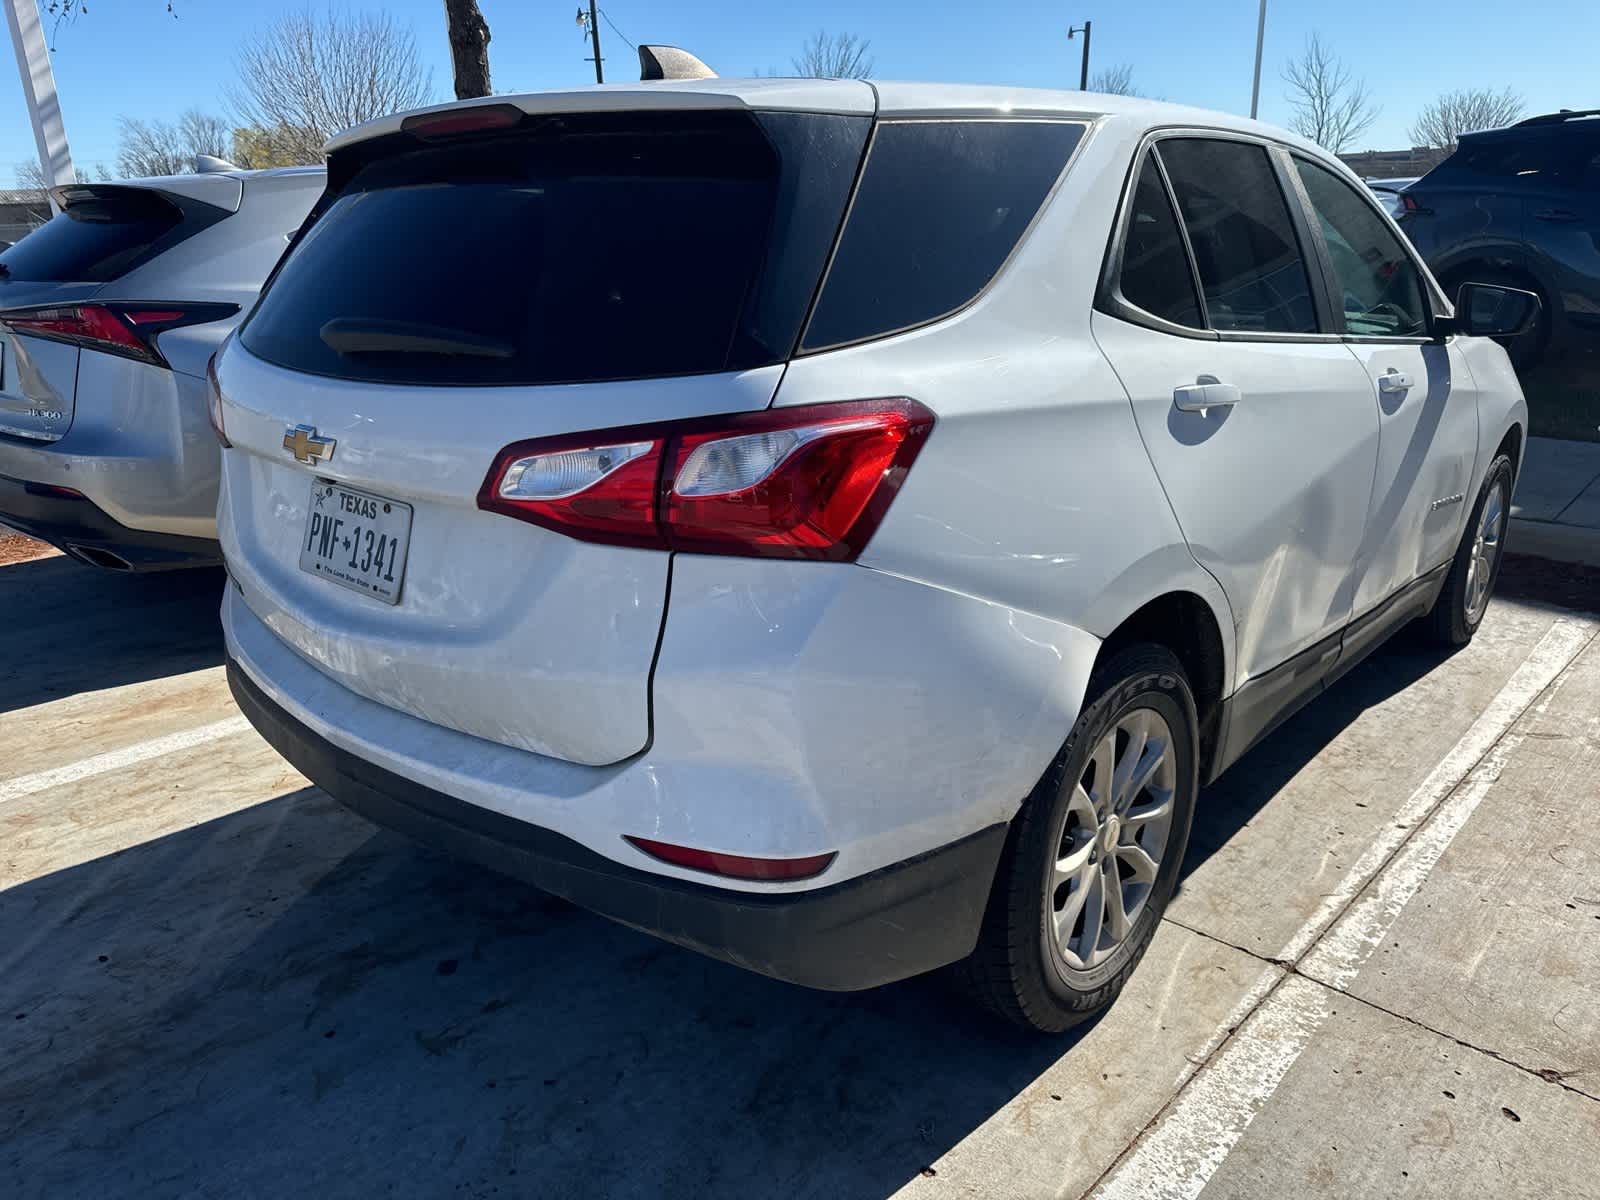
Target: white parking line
[113, 760]
[1191, 1139]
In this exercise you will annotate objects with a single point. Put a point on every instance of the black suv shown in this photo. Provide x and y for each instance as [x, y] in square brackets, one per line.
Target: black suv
[1521, 206]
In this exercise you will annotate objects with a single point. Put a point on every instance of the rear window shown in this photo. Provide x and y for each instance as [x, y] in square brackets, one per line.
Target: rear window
[575, 249]
[940, 207]
[97, 238]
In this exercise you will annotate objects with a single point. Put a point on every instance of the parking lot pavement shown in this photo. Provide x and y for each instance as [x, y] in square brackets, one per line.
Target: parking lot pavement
[1381, 976]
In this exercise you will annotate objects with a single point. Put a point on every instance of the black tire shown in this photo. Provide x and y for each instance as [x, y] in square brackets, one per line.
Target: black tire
[1015, 971]
[1452, 621]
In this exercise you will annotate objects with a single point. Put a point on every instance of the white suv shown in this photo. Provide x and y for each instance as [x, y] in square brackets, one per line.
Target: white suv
[838, 527]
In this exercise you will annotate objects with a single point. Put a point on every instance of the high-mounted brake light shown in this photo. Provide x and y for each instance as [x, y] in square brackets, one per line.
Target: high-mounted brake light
[124, 329]
[809, 482]
[454, 121]
[735, 866]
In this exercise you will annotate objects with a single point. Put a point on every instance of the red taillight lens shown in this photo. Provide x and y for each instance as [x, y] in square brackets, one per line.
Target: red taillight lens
[123, 329]
[811, 482]
[735, 866]
[86, 324]
[214, 403]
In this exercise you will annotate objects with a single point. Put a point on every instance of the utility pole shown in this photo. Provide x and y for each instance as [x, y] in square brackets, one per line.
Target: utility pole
[1083, 73]
[1255, 85]
[39, 90]
[594, 37]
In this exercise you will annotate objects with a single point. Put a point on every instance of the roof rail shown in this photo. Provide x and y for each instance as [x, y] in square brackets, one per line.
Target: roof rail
[669, 62]
[1555, 118]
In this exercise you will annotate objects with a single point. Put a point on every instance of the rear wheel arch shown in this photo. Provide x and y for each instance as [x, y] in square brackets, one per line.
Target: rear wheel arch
[1185, 623]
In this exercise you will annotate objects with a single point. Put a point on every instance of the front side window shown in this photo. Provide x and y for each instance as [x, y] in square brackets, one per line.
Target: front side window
[1249, 259]
[1379, 287]
[1155, 266]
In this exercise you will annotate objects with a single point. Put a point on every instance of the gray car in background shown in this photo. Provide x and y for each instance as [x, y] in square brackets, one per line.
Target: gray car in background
[109, 314]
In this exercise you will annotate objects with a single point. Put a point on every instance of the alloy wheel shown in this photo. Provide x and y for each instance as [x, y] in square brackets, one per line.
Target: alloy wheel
[1485, 551]
[1113, 838]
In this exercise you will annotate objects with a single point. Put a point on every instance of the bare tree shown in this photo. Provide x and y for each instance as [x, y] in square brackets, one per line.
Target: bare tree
[168, 147]
[308, 75]
[1331, 107]
[834, 56]
[1441, 123]
[31, 175]
[469, 47]
[1115, 81]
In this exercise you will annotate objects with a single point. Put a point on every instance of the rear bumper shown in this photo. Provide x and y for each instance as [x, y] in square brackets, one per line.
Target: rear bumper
[82, 529]
[889, 924]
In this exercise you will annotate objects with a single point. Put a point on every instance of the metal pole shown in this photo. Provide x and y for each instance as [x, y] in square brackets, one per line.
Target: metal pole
[594, 36]
[39, 90]
[1083, 74]
[1255, 86]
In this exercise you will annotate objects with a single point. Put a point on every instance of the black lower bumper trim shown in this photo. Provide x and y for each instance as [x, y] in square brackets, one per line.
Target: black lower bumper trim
[896, 922]
[82, 529]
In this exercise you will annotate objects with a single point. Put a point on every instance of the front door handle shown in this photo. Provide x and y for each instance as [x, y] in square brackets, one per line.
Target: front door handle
[1555, 214]
[1205, 393]
[1392, 382]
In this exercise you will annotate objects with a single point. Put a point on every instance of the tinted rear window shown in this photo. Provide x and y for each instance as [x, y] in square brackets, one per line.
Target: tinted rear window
[1155, 264]
[575, 249]
[1244, 243]
[94, 240]
[940, 207]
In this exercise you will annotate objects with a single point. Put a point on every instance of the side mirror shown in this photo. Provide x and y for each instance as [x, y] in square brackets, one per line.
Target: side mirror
[1489, 310]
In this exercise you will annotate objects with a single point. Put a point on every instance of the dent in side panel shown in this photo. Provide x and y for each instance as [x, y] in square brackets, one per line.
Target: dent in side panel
[802, 707]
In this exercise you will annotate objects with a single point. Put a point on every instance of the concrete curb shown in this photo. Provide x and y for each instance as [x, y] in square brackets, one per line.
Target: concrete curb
[1552, 540]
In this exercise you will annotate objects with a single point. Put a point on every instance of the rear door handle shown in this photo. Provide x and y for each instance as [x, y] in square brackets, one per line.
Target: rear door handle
[1555, 214]
[1392, 381]
[1206, 392]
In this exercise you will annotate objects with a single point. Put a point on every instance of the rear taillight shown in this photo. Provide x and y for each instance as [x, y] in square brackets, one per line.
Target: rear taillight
[125, 329]
[214, 403]
[811, 482]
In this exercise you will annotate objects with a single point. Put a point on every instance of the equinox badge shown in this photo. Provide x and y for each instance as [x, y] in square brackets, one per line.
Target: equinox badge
[302, 442]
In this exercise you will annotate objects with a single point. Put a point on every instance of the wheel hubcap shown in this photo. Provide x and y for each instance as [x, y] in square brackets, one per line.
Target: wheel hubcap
[1485, 552]
[1113, 839]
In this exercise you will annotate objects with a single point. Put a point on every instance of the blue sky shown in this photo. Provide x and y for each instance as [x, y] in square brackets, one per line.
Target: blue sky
[128, 57]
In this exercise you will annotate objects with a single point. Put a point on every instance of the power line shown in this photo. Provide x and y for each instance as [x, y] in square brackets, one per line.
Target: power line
[615, 30]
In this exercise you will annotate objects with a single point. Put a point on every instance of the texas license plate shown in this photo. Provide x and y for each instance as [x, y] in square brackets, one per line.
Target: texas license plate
[356, 539]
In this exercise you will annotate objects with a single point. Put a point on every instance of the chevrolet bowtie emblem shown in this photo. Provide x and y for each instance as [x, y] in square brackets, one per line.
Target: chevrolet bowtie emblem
[302, 442]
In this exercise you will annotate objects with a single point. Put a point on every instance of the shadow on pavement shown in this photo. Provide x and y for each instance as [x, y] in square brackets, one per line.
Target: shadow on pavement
[282, 1001]
[67, 628]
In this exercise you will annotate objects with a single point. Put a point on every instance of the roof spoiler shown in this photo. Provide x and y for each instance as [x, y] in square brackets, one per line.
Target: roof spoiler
[669, 62]
[1555, 118]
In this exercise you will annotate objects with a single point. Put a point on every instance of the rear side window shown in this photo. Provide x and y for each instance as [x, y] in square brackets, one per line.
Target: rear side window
[1155, 265]
[1380, 289]
[97, 238]
[1245, 248]
[940, 206]
[573, 249]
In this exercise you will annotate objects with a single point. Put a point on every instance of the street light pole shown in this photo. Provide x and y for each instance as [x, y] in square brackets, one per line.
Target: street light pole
[1255, 86]
[39, 91]
[594, 37]
[1083, 72]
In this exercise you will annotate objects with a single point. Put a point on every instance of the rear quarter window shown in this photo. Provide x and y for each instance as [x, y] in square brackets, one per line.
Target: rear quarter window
[940, 207]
